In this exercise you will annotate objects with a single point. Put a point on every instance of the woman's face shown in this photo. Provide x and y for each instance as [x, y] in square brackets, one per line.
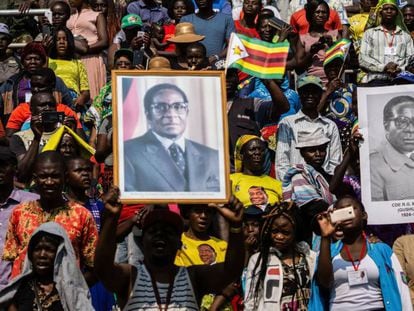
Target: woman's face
[32, 62]
[100, 6]
[266, 32]
[75, 3]
[61, 43]
[59, 15]
[43, 257]
[179, 9]
[321, 14]
[282, 234]
[254, 155]
[68, 146]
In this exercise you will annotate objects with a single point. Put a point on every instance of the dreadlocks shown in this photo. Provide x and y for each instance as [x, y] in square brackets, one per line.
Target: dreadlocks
[286, 210]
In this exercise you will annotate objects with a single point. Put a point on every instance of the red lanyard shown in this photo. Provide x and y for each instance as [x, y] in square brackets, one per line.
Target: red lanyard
[157, 293]
[361, 254]
[392, 37]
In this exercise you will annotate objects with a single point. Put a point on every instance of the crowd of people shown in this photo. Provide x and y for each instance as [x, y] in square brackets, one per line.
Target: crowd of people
[68, 243]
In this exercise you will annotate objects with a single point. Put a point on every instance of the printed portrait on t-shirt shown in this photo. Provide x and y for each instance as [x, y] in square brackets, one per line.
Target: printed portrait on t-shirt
[207, 254]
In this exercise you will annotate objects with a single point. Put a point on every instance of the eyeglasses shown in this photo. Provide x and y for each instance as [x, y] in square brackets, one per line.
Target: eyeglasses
[162, 108]
[402, 123]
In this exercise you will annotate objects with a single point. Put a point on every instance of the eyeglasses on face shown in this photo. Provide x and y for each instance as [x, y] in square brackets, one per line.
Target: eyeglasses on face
[162, 108]
[402, 123]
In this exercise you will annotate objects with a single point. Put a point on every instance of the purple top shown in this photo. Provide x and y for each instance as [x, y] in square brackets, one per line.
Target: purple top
[148, 15]
[6, 208]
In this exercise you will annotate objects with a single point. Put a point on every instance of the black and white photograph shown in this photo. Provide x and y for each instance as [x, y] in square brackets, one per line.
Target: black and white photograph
[386, 117]
[170, 137]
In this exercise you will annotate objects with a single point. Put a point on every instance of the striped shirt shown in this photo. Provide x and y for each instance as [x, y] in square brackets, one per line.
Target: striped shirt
[373, 58]
[143, 298]
[286, 153]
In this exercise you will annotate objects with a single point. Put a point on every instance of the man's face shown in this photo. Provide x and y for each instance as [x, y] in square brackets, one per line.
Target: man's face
[310, 96]
[200, 218]
[314, 156]
[257, 196]
[251, 7]
[49, 179]
[207, 254]
[33, 62]
[195, 57]
[408, 14]
[40, 84]
[332, 70]
[389, 13]
[79, 174]
[160, 243]
[168, 114]
[100, 6]
[4, 41]
[204, 4]
[41, 103]
[400, 129]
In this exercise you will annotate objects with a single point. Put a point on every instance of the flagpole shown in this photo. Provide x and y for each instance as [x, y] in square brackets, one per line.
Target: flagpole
[343, 64]
[228, 52]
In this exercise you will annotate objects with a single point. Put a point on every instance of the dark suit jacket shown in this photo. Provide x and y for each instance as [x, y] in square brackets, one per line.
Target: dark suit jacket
[149, 167]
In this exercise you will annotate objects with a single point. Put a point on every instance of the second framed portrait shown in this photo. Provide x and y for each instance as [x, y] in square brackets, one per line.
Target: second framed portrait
[170, 136]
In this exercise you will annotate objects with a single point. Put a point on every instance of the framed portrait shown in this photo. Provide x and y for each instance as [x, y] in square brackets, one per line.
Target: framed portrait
[170, 136]
[386, 120]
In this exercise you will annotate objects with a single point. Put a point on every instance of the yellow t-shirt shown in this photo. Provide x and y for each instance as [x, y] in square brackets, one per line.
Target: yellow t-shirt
[194, 252]
[248, 189]
[72, 72]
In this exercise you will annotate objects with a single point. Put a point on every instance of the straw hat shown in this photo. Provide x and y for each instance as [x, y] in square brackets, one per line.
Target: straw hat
[159, 63]
[185, 33]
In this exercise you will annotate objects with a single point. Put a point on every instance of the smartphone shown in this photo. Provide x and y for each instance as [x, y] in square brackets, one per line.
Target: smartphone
[140, 34]
[46, 30]
[138, 58]
[343, 214]
[49, 14]
[52, 117]
[277, 23]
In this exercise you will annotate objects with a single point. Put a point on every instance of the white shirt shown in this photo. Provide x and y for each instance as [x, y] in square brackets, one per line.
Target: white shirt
[358, 297]
[166, 142]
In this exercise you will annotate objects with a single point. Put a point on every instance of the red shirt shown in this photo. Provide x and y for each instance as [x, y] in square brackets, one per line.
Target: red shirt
[22, 114]
[250, 32]
[27, 217]
[301, 25]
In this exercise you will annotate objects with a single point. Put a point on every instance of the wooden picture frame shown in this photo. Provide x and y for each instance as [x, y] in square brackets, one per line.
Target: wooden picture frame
[195, 119]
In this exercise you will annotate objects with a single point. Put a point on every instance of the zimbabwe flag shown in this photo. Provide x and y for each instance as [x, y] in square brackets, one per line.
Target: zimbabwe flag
[338, 50]
[258, 58]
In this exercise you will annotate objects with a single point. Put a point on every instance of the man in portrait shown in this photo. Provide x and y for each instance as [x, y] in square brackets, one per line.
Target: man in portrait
[163, 159]
[392, 164]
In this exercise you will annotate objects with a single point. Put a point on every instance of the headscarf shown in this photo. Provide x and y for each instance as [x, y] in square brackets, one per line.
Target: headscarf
[238, 163]
[86, 151]
[376, 21]
[72, 288]
[34, 48]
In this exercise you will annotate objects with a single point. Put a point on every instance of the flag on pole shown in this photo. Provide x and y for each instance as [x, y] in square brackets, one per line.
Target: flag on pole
[258, 58]
[340, 50]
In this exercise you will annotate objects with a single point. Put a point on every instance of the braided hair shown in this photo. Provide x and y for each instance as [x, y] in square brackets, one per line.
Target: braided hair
[286, 210]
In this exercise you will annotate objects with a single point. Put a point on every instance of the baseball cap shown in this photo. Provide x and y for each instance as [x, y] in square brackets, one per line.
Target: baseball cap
[131, 20]
[309, 79]
[311, 137]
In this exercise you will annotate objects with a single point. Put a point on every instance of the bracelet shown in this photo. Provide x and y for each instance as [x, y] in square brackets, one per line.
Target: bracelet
[235, 229]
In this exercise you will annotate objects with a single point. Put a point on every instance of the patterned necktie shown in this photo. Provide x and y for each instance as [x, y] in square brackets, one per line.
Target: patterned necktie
[178, 157]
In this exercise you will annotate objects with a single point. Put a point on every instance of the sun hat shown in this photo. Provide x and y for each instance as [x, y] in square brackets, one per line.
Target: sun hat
[185, 33]
[311, 137]
[159, 63]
